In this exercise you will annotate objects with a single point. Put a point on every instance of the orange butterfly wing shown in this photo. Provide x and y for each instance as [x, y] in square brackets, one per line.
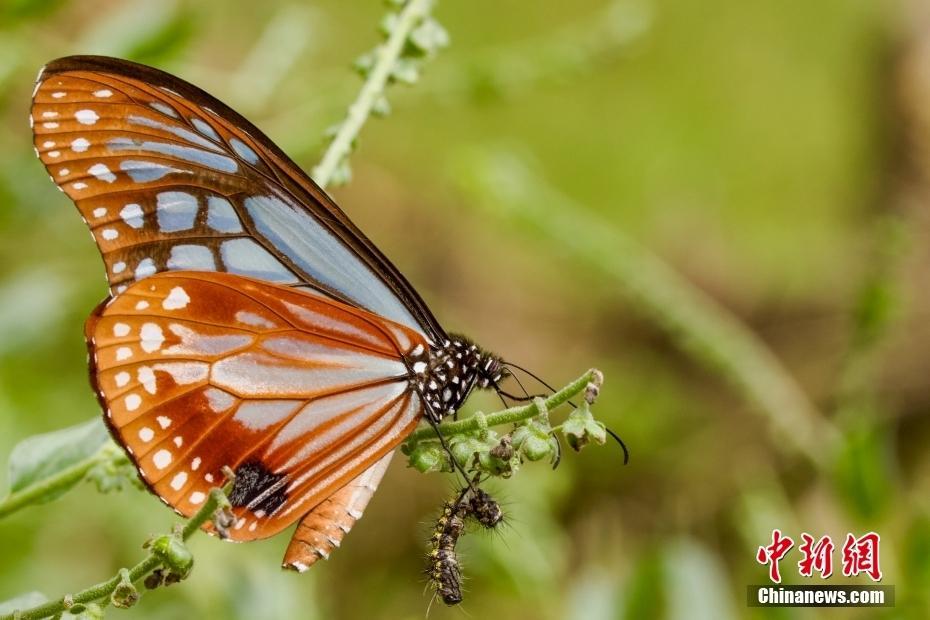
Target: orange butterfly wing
[322, 529]
[169, 178]
[297, 393]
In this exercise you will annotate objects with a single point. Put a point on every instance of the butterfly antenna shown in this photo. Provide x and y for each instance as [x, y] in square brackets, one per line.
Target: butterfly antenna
[520, 383]
[626, 452]
[519, 399]
[533, 375]
[536, 377]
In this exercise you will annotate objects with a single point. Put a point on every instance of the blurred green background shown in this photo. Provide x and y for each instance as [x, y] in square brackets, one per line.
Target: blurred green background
[776, 154]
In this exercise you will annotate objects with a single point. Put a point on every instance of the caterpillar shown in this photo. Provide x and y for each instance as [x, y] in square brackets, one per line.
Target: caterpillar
[485, 509]
[444, 570]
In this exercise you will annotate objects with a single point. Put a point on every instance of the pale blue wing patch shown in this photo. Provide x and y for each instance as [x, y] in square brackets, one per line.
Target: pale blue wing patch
[247, 258]
[221, 216]
[176, 211]
[165, 182]
[191, 257]
[244, 151]
[297, 235]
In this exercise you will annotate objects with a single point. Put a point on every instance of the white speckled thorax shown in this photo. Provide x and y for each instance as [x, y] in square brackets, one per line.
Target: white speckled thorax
[445, 375]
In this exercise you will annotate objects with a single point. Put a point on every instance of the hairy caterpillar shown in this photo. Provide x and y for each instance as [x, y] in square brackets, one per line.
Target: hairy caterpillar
[444, 571]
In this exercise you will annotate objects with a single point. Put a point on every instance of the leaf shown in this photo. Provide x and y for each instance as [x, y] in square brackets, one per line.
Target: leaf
[40, 457]
[114, 474]
[581, 428]
[429, 37]
[23, 601]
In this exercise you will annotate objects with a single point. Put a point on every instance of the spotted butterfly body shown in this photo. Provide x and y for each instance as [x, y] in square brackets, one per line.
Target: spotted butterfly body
[252, 325]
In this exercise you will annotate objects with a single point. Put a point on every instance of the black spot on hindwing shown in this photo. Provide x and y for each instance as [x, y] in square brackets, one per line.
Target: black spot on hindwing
[257, 488]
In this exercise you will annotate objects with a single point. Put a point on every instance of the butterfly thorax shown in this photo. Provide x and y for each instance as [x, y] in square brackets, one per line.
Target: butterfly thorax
[447, 373]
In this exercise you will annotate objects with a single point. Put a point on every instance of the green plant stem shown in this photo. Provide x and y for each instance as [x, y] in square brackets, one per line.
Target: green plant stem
[215, 500]
[373, 88]
[65, 478]
[503, 185]
[506, 416]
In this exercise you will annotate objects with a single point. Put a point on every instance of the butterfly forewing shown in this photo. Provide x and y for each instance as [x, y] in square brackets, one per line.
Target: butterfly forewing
[297, 393]
[168, 178]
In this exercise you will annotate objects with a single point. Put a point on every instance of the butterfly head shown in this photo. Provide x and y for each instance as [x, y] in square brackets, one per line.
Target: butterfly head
[449, 371]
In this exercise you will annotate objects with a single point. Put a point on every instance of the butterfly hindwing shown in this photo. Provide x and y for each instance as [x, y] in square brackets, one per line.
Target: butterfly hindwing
[321, 531]
[296, 393]
[168, 178]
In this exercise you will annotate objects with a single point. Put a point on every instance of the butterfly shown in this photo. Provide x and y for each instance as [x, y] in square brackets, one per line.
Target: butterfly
[251, 324]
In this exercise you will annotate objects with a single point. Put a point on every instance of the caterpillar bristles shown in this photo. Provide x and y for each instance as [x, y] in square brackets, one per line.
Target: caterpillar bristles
[444, 571]
[485, 509]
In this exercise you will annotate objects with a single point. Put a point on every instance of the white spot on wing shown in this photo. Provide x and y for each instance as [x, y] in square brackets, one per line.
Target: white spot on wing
[162, 459]
[132, 402]
[250, 318]
[197, 497]
[103, 93]
[86, 117]
[199, 344]
[147, 379]
[108, 233]
[122, 378]
[152, 337]
[184, 373]
[177, 483]
[123, 353]
[100, 212]
[132, 215]
[219, 400]
[145, 268]
[146, 434]
[79, 145]
[177, 298]
[120, 330]
[163, 421]
[102, 172]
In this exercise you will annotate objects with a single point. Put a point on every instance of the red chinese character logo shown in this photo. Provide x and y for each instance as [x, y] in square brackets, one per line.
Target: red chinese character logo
[773, 553]
[816, 556]
[860, 555]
